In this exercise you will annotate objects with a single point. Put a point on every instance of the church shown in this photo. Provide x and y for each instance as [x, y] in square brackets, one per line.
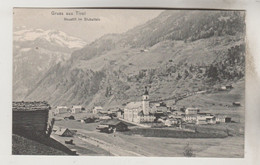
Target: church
[139, 112]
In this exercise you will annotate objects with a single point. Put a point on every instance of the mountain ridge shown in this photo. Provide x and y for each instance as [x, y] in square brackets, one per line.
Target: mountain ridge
[34, 52]
[171, 54]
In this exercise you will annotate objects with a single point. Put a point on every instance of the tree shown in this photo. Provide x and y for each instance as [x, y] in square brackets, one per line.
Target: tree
[212, 72]
[179, 76]
[188, 152]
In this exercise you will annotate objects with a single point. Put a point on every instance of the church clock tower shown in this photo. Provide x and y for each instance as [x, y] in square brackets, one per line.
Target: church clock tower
[145, 101]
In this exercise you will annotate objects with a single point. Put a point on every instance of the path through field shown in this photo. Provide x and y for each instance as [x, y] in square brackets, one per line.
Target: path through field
[111, 148]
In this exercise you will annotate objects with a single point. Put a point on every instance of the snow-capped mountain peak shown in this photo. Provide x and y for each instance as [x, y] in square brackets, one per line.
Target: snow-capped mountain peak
[55, 37]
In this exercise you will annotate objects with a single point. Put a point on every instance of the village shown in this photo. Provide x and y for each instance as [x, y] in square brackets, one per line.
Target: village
[98, 130]
[143, 114]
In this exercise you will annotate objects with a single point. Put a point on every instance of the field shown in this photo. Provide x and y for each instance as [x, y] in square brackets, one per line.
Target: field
[24, 146]
[148, 146]
[220, 102]
[176, 133]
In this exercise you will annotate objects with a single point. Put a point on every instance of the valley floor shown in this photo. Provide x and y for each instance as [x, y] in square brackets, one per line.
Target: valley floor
[91, 142]
[98, 143]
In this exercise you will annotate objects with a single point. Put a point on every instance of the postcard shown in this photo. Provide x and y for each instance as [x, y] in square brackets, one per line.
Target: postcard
[129, 82]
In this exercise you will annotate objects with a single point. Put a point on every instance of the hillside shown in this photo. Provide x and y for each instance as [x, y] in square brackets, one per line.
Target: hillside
[176, 52]
[24, 146]
[34, 52]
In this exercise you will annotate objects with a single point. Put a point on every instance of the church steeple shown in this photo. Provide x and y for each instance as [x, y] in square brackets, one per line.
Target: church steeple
[146, 95]
[146, 91]
[145, 102]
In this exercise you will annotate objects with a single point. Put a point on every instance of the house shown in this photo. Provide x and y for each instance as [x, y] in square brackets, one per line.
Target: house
[60, 110]
[82, 121]
[89, 120]
[220, 118]
[223, 119]
[236, 104]
[211, 120]
[160, 107]
[190, 118]
[229, 86]
[65, 132]
[70, 117]
[143, 50]
[76, 109]
[201, 122]
[168, 123]
[120, 113]
[228, 120]
[191, 111]
[177, 117]
[223, 88]
[207, 119]
[112, 125]
[97, 109]
[30, 117]
[203, 114]
[103, 112]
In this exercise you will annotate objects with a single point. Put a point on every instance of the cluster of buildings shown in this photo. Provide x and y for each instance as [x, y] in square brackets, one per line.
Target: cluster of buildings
[64, 109]
[144, 112]
[225, 88]
[194, 116]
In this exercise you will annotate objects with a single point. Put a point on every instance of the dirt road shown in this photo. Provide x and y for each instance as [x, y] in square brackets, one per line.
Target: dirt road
[111, 148]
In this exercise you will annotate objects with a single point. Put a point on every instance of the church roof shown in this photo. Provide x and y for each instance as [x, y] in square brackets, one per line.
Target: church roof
[134, 105]
[141, 113]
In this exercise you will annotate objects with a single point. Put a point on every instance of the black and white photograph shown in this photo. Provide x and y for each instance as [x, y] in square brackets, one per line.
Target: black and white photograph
[129, 82]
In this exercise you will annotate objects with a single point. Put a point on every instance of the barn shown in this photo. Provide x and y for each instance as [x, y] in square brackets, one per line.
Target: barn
[65, 132]
[30, 117]
[110, 125]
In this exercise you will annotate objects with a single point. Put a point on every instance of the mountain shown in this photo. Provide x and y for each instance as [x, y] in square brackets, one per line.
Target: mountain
[34, 52]
[176, 52]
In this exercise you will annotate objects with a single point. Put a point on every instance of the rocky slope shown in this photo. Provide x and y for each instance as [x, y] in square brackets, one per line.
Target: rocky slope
[174, 53]
[34, 52]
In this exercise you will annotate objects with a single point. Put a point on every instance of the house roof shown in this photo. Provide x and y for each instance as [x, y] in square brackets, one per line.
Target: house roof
[61, 131]
[192, 109]
[31, 106]
[58, 107]
[134, 105]
[192, 115]
[98, 107]
[205, 114]
[210, 117]
[220, 116]
[76, 106]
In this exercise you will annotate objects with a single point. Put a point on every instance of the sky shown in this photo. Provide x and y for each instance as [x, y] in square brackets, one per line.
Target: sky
[110, 20]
